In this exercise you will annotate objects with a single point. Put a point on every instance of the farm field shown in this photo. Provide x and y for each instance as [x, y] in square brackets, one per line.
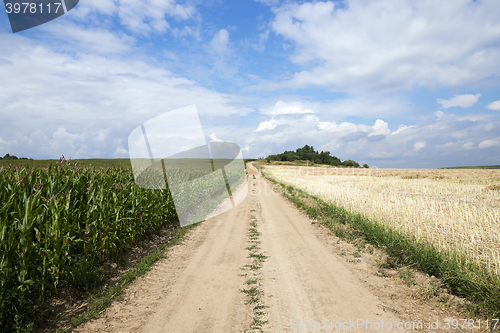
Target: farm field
[61, 218]
[58, 223]
[261, 266]
[91, 162]
[455, 209]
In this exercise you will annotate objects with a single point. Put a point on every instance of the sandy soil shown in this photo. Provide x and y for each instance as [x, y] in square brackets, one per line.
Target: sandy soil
[308, 277]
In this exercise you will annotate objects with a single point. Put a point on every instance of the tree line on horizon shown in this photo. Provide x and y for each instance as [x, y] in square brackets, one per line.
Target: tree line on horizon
[307, 153]
[13, 157]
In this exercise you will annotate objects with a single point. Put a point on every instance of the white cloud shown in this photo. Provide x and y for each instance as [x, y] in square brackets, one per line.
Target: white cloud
[186, 31]
[356, 131]
[401, 128]
[213, 138]
[391, 44]
[267, 125]
[84, 104]
[419, 145]
[447, 146]
[220, 42]
[366, 106]
[73, 99]
[489, 143]
[139, 16]
[464, 101]
[222, 56]
[380, 128]
[434, 141]
[343, 128]
[258, 43]
[90, 39]
[467, 146]
[441, 115]
[292, 122]
[84, 8]
[494, 106]
[286, 108]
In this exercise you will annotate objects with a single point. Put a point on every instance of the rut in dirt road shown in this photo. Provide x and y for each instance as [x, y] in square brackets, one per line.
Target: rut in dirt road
[197, 287]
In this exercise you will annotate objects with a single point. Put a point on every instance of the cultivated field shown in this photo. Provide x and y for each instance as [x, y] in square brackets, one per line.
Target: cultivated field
[58, 223]
[59, 220]
[261, 266]
[454, 209]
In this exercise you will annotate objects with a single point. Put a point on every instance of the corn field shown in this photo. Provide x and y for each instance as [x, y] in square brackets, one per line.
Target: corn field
[456, 210]
[53, 220]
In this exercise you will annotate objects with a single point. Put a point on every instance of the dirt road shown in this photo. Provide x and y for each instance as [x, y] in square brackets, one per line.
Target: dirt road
[197, 287]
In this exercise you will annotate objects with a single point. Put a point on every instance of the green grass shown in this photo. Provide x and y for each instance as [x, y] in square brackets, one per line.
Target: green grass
[407, 276]
[258, 256]
[254, 293]
[456, 272]
[251, 281]
[475, 167]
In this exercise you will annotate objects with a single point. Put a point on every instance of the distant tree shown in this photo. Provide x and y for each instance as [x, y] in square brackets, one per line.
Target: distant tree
[307, 153]
[335, 161]
[13, 157]
[10, 157]
[272, 158]
[365, 166]
[324, 157]
[351, 163]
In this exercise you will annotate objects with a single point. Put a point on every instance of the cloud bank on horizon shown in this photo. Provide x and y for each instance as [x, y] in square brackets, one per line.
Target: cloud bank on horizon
[391, 83]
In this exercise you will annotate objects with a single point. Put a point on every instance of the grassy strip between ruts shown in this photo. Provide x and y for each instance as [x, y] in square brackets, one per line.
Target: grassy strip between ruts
[254, 291]
[104, 299]
[457, 273]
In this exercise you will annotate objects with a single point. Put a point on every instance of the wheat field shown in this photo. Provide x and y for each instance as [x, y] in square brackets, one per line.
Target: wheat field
[457, 210]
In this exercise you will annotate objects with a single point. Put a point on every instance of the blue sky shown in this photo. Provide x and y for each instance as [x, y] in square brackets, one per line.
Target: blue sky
[391, 83]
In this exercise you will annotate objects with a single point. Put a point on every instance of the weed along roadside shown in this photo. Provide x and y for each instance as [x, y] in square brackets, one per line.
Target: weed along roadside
[454, 270]
[253, 288]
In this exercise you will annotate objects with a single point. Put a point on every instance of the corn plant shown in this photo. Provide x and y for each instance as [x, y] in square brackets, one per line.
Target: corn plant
[52, 220]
